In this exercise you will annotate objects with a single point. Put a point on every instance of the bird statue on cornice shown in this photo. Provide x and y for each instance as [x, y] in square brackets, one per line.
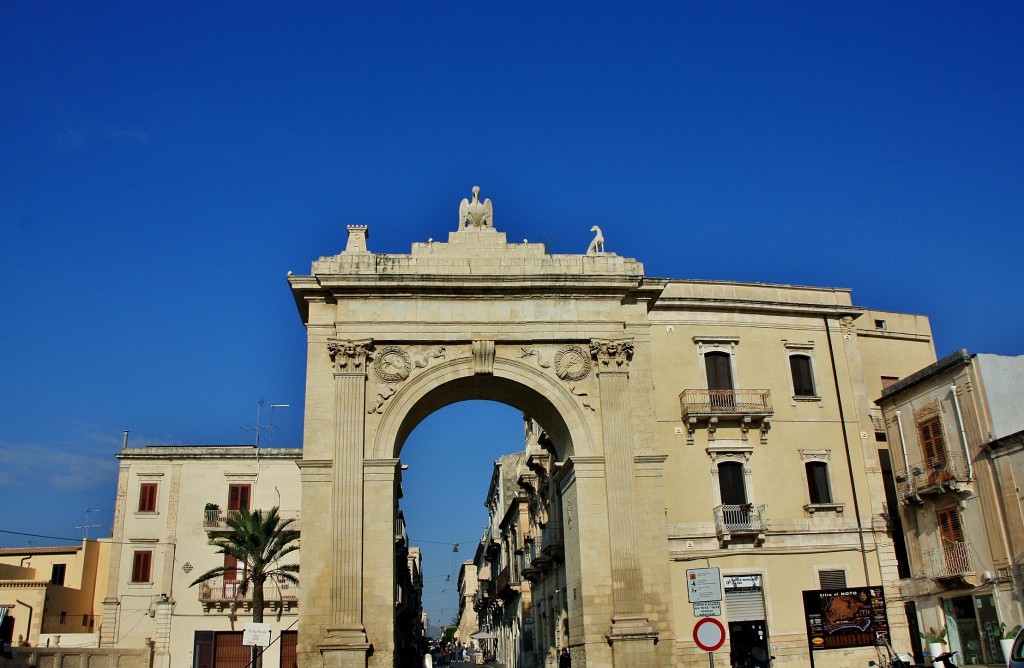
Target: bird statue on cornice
[476, 213]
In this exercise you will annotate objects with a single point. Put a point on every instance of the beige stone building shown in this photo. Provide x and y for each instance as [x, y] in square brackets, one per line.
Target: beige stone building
[955, 430]
[170, 502]
[51, 594]
[688, 424]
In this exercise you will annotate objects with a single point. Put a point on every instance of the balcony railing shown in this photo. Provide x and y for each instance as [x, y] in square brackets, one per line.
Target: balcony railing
[933, 477]
[215, 519]
[68, 623]
[952, 560]
[219, 592]
[740, 520]
[705, 403]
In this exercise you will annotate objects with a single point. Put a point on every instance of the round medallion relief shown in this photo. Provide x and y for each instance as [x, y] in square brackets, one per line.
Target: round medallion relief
[392, 364]
[572, 363]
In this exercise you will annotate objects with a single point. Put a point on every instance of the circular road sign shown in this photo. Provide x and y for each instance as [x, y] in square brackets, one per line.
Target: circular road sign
[709, 634]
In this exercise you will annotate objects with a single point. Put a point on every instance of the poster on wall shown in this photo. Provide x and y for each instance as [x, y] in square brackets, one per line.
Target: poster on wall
[850, 617]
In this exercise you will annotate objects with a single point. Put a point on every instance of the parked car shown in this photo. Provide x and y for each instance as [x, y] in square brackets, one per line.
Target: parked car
[1017, 653]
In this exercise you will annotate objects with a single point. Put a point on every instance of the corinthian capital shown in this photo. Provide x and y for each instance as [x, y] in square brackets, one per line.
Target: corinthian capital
[612, 354]
[348, 355]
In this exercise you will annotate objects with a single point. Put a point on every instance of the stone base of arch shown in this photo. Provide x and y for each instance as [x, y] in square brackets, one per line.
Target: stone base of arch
[632, 640]
[345, 647]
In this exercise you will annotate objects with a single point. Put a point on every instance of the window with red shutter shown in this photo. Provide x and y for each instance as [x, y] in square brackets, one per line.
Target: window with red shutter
[142, 563]
[147, 497]
[932, 445]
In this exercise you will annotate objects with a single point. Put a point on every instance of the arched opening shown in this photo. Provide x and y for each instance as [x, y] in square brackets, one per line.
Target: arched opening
[495, 445]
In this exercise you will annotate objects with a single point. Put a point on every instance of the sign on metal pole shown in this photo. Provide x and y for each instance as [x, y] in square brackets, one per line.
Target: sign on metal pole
[707, 609]
[256, 634]
[709, 634]
[703, 585]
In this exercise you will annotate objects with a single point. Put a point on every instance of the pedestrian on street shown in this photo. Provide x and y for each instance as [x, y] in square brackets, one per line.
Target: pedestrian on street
[564, 661]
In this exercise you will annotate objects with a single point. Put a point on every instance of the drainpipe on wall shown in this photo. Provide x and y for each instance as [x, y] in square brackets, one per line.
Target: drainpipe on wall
[28, 627]
[849, 458]
[963, 435]
[903, 443]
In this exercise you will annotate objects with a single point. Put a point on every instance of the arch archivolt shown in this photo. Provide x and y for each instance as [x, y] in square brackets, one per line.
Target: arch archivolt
[515, 375]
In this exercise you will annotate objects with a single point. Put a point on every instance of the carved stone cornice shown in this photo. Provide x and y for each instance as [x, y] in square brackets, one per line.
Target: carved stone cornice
[612, 354]
[349, 355]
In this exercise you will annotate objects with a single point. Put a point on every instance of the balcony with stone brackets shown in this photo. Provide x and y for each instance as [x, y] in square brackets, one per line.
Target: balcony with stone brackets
[929, 478]
[745, 519]
[220, 595]
[747, 408]
[952, 564]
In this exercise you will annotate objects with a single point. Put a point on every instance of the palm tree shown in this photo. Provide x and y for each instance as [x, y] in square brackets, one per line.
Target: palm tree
[257, 541]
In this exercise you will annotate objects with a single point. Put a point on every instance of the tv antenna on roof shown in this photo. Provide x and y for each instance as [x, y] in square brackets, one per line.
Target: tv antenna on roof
[260, 427]
[88, 513]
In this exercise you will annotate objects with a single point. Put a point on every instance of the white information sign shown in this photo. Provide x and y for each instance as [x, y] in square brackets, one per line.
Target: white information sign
[707, 609]
[256, 634]
[703, 585]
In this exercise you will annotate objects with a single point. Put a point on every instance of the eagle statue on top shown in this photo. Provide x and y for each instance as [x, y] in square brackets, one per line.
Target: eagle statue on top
[476, 213]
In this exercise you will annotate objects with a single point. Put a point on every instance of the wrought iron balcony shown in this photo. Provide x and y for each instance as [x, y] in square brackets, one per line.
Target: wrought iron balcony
[951, 561]
[221, 594]
[740, 520]
[745, 406]
[215, 519]
[706, 403]
[935, 477]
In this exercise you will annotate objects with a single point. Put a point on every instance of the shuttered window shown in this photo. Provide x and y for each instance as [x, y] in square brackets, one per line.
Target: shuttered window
[832, 579]
[289, 653]
[817, 482]
[730, 483]
[238, 496]
[142, 563]
[932, 444]
[230, 652]
[147, 497]
[803, 383]
[950, 530]
[744, 605]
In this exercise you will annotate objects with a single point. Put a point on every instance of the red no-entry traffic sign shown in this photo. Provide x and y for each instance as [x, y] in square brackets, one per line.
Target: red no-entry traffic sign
[709, 634]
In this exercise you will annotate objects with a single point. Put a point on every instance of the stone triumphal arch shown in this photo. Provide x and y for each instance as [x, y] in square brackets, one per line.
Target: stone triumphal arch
[392, 338]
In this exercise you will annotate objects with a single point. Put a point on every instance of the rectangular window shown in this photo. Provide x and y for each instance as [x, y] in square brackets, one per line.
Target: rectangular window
[817, 482]
[142, 562]
[57, 574]
[803, 382]
[147, 497]
[950, 530]
[932, 445]
[832, 579]
[238, 496]
[234, 573]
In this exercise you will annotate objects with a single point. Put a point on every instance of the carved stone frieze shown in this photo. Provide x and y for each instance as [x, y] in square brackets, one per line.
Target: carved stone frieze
[524, 353]
[583, 396]
[434, 353]
[349, 355]
[572, 363]
[927, 411]
[382, 397]
[392, 364]
[612, 353]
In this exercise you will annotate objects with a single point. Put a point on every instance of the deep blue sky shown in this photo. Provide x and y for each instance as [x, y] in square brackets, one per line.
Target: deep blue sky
[163, 165]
